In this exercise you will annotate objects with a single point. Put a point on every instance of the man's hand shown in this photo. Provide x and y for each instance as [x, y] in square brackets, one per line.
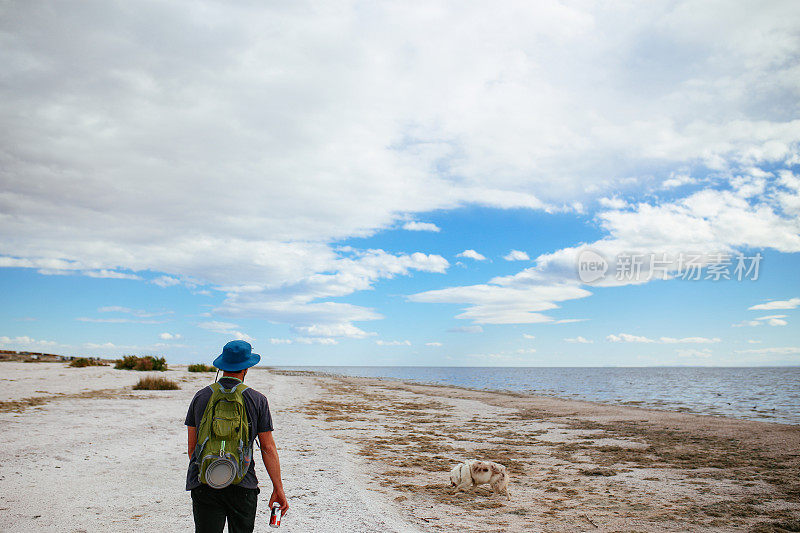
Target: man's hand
[269, 453]
[280, 497]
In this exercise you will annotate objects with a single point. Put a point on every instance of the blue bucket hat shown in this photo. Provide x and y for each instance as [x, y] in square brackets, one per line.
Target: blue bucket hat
[236, 356]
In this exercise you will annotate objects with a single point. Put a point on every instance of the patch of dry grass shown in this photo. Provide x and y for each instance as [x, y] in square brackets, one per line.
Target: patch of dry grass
[598, 472]
[18, 406]
[156, 383]
[82, 362]
[200, 367]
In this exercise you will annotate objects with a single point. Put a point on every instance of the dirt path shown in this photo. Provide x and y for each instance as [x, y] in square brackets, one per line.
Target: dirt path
[73, 462]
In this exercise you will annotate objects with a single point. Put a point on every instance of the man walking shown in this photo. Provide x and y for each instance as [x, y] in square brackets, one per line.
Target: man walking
[236, 502]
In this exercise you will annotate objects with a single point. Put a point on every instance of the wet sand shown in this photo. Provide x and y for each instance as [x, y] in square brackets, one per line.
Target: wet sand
[362, 454]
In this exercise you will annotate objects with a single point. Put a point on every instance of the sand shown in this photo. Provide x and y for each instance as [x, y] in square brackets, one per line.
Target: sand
[367, 455]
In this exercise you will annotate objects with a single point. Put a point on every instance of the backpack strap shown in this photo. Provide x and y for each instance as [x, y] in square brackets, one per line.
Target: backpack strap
[223, 390]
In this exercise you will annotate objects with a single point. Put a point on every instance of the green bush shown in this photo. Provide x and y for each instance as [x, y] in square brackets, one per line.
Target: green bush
[200, 367]
[82, 362]
[156, 383]
[126, 363]
[145, 364]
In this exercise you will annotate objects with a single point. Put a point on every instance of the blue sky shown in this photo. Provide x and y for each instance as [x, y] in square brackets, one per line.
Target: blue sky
[400, 184]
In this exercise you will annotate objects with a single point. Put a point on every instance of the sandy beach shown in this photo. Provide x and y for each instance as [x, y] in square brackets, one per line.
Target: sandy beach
[78, 454]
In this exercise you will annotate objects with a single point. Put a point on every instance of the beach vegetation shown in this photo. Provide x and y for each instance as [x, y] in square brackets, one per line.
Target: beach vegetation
[200, 367]
[156, 383]
[82, 362]
[144, 364]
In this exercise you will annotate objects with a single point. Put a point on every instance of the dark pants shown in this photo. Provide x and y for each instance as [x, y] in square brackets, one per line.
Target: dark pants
[212, 506]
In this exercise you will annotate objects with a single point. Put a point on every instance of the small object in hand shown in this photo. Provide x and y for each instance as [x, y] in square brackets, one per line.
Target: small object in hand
[275, 515]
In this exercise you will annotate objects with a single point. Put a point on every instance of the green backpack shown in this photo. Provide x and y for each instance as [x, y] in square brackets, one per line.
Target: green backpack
[224, 452]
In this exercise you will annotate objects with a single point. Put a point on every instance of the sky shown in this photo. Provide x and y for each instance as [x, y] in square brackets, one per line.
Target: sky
[402, 183]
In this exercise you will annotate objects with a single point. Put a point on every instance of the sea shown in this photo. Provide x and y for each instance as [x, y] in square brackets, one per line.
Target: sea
[769, 394]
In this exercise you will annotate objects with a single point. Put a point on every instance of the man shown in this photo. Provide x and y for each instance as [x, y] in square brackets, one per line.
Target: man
[235, 503]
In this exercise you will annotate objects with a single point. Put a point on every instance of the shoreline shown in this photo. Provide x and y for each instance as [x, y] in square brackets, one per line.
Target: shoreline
[637, 404]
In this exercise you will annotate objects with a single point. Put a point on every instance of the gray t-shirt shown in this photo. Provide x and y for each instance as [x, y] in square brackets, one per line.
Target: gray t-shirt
[258, 418]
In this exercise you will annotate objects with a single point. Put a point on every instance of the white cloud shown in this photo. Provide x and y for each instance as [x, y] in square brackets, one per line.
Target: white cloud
[788, 350]
[693, 340]
[280, 341]
[472, 254]
[788, 195]
[613, 203]
[421, 226]
[115, 309]
[769, 320]
[165, 281]
[708, 220]
[626, 337]
[751, 341]
[105, 273]
[435, 344]
[170, 345]
[791, 303]
[505, 300]
[226, 328]
[169, 336]
[676, 180]
[393, 343]
[505, 356]
[25, 342]
[101, 346]
[466, 329]
[316, 340]
[119, 320]
[694, 353]
[333, 330]
[528, 336]
[127, 310]
[774, 320]
[578, 340]
[298, 304]
[516, 255]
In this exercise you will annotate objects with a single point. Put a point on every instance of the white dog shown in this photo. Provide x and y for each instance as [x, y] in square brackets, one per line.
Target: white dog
[469, 474]
[499, 479]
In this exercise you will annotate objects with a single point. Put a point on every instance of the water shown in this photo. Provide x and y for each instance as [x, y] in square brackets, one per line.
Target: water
[770, 394]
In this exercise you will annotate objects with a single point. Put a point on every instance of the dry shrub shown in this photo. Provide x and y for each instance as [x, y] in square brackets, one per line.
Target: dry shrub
[598, 472]
[156, 383]
[146, 363]
[82, 362]
[200, 367]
